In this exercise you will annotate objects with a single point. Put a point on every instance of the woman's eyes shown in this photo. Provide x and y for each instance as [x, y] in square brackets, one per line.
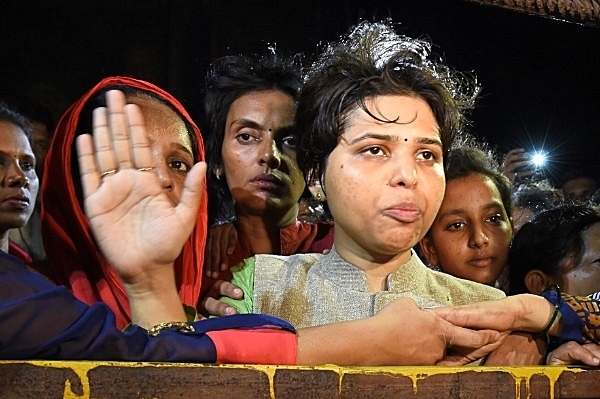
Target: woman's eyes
[27, 165]
[496, 218]
[456, 226]
[180, 166]
[427, 155]
[374, 150]
[245, 137]
[289, 142]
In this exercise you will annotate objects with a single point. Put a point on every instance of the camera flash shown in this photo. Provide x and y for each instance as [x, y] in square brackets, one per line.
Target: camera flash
[538, 159]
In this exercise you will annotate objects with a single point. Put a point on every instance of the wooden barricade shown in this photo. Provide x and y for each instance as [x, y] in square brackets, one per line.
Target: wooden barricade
[85, 379]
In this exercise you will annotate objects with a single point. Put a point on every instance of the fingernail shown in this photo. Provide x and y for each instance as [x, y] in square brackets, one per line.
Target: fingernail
[229, 310]
[596, 360]
[237, 291]
[223, 266]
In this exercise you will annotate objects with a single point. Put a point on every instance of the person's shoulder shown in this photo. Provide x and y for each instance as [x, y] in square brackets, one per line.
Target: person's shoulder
[280, 264]
[308, 259]
[467, 289]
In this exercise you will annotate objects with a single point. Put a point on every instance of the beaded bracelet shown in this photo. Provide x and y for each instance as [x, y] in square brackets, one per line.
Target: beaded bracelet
[180, 326]
[556, 309]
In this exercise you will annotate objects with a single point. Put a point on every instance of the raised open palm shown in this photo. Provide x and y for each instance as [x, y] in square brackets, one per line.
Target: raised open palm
[137, 227]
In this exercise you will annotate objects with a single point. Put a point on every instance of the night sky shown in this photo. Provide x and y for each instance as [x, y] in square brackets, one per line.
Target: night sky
[540, 76]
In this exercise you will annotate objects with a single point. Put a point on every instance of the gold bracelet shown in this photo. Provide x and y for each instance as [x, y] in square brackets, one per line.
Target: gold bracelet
[180, 326]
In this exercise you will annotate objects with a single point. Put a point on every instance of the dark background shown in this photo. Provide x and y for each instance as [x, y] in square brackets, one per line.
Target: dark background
[540, 76]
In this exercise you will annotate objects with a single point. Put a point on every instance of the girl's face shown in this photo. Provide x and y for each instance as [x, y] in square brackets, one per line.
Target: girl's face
[470, 237]
[259, 155]
[384, 182]
[583, 278]
[171, 144]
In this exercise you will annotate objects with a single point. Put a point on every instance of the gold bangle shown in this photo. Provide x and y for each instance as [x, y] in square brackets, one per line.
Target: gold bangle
[180, 326]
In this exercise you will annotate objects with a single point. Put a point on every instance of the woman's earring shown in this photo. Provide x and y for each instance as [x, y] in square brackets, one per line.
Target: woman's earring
[319, 195]
[218, 172]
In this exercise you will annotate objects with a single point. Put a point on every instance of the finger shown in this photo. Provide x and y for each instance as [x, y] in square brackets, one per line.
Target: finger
[193, 191]
[514, 155]
[232, 240]
[527, 172]
[467, 338]
[459, 316]
[224, 246]
[90, 178]
[105, 157]
[458, 355]
[231, 290]
[213, 251]
[117, 123]
[217, 308]
[515, 151]
[593, 348]
[571, 353]
[140, 144]
[209, 264]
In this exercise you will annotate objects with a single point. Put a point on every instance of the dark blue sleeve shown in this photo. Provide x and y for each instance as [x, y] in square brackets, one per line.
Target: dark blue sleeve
[39, 320]
[573, 327]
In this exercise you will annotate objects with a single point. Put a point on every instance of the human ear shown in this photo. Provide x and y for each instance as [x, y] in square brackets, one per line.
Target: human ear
[536, 281]
[428, 250]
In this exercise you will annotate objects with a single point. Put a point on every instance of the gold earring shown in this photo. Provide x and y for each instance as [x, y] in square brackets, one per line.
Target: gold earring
[319, 196]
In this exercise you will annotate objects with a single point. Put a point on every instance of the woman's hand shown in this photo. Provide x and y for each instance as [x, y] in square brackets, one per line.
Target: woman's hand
[221, 243]
[138, 229]
[574, 353]
[212, 306]
[400, 334]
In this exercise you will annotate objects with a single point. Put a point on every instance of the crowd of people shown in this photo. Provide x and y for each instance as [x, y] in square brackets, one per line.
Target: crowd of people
[158, 237]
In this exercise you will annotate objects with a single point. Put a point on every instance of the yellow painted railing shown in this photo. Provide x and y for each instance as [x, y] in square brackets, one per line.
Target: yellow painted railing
[84, 379]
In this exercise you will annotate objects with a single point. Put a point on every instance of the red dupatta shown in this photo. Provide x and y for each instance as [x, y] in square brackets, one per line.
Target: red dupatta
[73, 258]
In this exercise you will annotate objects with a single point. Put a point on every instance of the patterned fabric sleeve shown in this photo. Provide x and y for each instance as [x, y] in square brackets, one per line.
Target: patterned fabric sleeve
[580, 317]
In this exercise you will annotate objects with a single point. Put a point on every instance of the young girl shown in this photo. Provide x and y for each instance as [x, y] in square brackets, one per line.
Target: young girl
[471, 234]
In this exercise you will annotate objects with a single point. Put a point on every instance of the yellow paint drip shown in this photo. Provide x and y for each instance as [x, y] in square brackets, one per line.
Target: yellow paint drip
[520, 375]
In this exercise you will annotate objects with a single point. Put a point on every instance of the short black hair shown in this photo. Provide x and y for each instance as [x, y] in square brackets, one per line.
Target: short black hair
[547, 240]
[466, 160]
[10, 114]
[370, 61]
